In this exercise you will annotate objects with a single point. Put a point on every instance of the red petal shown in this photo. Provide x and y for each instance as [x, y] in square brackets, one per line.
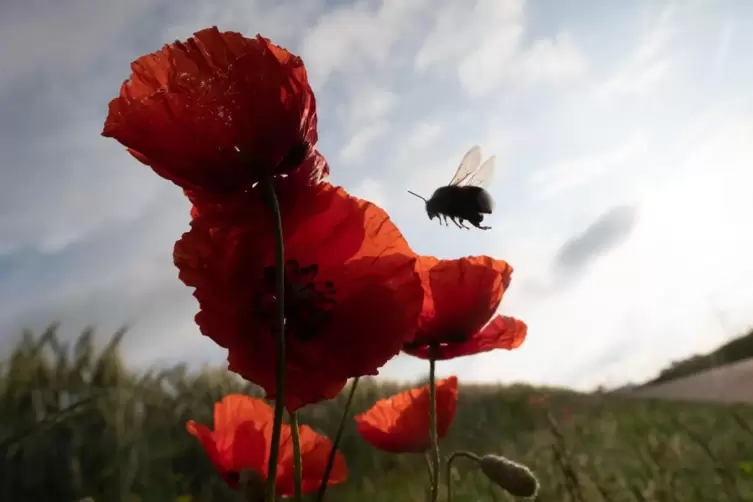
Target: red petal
[401, 423]
[501, 333]
[356, 248]
[188, 108]
[461, 296]
[315, 450]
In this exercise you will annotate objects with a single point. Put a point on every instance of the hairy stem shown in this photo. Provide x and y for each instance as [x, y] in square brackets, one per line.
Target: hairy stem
[429, 468]
[455, 455]
[336, 443]
[297, 468]
[274, 451]
[433, 425]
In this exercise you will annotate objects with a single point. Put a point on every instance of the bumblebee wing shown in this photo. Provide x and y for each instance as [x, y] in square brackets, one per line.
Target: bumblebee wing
[482, 177]
[468, 165]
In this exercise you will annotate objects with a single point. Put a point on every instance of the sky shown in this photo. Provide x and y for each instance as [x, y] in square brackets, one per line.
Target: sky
[624, 140]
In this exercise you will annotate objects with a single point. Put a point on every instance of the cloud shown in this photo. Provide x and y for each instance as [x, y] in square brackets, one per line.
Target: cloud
[281, 21]
[552, 59]
[369, 103]
[352, 38]
[649, 64]
[358, 145]
[459, 31]
[549, 182]
[424, 134]
[486, 45]
[365, 115]
[61, 37]
[120, 273]
[605, 233]
[371, 190]
[73, 182]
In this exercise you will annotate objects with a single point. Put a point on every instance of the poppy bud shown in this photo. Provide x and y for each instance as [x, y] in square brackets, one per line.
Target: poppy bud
[252, 486]
[516, 478]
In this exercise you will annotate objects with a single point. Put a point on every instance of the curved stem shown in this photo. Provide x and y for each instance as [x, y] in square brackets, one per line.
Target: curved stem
[274, 452]
[455, 455]
[336, 443]
[429, 468]
[297, 469]
[433, 425]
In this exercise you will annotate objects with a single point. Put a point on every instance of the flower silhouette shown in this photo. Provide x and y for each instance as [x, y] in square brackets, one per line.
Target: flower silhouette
[352, 294]
[219, 112]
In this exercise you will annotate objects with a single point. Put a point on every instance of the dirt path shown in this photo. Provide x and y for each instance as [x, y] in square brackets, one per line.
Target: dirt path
[732, 383]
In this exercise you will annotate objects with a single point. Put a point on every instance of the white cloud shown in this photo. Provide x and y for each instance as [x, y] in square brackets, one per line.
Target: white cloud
[369, 103]
[371, 190]
[552, 59]
[486, 46]
[483, 70]
[64, 36]
[80, 182]
[358, 145]
[460, 30]
[566, 175]
[725, 42]
[424, 134]
[283, 22]
[649, 64]
[354, 38]
[655, 298]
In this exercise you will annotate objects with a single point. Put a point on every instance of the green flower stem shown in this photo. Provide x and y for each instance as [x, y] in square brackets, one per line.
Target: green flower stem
[336, 443]
[298, 471]
[274, 452]
[433, 425]
[429, 469]
[455, 455]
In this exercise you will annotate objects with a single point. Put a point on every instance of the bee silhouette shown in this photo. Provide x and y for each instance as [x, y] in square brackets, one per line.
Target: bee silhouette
[465, 198]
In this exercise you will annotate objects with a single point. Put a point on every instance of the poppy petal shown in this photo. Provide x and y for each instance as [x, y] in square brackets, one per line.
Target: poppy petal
[207, 440]
[242, 438]
[238, 441]
[461, 296]
[315, 450]
[353, 295]
[401, 423]
[501, 333]
[190, 108]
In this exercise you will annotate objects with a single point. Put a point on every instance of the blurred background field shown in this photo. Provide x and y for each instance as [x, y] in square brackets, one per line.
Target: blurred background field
[75, 422]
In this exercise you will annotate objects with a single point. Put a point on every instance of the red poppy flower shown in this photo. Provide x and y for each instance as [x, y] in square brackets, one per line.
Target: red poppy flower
[352, 293]
[400, 424]
[218, 113]
[461, 297]
[242, 438]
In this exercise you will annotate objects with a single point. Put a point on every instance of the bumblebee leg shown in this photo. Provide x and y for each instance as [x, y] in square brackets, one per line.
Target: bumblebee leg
[463, 226]
[456, 222]
[479, 226]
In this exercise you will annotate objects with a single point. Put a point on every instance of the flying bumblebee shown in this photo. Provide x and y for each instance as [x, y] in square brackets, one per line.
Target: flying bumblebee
[465, 198]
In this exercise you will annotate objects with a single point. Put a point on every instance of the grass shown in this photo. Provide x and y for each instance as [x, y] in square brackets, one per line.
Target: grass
[75, 422]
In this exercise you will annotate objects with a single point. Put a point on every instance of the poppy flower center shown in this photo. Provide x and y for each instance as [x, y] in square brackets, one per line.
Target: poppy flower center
[295, 155]
[436, 341]
[308, 304]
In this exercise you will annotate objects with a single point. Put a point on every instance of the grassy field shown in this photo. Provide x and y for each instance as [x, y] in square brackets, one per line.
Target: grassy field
[123, 437]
